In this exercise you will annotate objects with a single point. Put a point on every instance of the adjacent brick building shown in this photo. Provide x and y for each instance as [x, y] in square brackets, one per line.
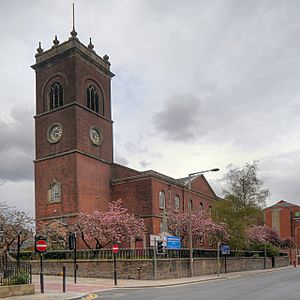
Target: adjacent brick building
[74, 165]
[284, 218]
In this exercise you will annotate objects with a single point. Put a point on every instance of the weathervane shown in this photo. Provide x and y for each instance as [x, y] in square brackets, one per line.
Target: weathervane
[73, 32]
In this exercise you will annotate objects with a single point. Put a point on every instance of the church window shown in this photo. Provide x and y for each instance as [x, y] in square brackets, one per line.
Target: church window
[56, 96]
[162, 200]
[94, 100]
[201, 240]
[176, 202]
[190, 205]
[55, 192]
[201, 206]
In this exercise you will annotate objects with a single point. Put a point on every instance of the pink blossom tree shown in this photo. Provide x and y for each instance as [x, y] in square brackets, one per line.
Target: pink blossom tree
[201, 224]
[117, 224]
[263, 234]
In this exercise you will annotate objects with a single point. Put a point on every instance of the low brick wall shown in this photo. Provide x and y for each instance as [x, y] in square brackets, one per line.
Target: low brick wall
[166, 268]
[16, 290]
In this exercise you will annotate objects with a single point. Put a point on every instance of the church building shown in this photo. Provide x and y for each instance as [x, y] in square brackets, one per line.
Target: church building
[74, 158]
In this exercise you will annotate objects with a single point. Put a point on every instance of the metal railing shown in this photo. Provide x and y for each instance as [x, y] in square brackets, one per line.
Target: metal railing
[12, 273]
[126, 253]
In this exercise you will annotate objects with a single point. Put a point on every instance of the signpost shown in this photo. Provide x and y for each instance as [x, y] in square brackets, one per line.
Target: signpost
[115, 250]
[41, 247]
[72, 246]
[155, 238]
[225, 250]
[173, 242]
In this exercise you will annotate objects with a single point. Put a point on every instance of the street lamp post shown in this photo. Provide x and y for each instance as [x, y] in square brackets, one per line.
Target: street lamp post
[196, 174]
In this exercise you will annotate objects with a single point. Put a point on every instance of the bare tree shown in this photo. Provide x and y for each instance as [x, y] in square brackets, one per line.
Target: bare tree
[245, 187]
[15, 223]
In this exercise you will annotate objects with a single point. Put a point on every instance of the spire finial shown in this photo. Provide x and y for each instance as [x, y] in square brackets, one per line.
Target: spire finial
[55, 41]
[90, 45]
[73, 32]
[40, 49]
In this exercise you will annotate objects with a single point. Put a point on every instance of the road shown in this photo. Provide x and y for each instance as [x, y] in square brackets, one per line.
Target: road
[277, 285]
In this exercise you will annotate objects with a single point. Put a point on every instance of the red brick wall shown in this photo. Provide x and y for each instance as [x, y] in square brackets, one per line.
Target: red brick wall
[93, 182]
[285, 222]
[136, 195]
[123, 172]
[62, 170]
[268, 217]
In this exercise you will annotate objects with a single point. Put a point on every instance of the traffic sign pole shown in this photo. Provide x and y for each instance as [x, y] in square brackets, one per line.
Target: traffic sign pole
[41, 274]
[115, 269]
[115, 250]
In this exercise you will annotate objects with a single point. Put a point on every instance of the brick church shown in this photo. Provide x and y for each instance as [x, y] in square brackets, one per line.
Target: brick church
[74, 158]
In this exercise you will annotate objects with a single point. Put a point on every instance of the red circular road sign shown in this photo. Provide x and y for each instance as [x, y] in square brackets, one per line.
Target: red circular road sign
[115, 248]
[41, 245]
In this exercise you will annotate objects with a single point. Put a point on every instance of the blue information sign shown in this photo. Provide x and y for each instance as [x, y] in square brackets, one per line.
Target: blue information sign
[225, 249]
[173, 242]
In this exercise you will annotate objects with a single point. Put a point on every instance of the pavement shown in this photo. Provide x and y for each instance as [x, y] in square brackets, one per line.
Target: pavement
[85, 287]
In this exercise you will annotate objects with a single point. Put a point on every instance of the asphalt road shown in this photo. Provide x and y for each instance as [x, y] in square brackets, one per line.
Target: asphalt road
[277, 285]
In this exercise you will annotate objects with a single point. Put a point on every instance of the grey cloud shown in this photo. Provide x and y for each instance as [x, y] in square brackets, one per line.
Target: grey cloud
[136, 148]
[121, 160]
[179, 118]
[144, 164]
[17, 145]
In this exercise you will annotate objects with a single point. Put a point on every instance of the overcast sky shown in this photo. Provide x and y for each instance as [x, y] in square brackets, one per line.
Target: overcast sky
[199, 85]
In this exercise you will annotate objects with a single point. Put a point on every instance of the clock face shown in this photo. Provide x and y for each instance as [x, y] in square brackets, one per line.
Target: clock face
[96, 136]
[54, 133]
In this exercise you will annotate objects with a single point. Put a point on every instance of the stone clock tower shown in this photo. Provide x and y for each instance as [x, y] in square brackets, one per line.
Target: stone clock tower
[73, 130]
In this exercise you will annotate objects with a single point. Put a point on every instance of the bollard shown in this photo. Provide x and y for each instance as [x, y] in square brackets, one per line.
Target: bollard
[64, 279]
[139, 270]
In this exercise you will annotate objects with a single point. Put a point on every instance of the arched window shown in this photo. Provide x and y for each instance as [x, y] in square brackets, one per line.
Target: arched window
[55, 192]
[201, 206]
[94, 100]
[56, 96]
[162, 200]
[176, 202]
[190, 205]
[210, 210]
[201, 240]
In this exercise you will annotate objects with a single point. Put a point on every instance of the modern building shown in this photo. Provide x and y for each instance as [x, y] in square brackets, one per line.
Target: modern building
[284, 218]
[74, 162]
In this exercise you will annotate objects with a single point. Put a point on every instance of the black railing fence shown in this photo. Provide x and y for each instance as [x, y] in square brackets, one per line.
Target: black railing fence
[14, 273]
[124, 253]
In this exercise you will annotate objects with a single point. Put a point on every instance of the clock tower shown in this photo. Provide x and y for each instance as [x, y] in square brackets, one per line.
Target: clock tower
[73, 130]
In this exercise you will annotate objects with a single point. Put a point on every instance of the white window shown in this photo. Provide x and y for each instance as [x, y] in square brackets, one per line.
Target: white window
[55, 192]
[176, 202]
[190, 205]
[162, 200]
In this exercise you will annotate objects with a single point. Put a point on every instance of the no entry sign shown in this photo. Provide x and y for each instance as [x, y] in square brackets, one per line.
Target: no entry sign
[115, 248]
[41, 245]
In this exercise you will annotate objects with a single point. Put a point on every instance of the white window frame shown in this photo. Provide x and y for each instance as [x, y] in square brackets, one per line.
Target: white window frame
[162, 200]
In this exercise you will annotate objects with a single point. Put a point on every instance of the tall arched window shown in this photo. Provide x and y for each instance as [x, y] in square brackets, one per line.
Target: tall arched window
[176, 202]
[201, 206]
[190, 205]
[56, 95]
[162, 200]
[94, 100]
[55, 192]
